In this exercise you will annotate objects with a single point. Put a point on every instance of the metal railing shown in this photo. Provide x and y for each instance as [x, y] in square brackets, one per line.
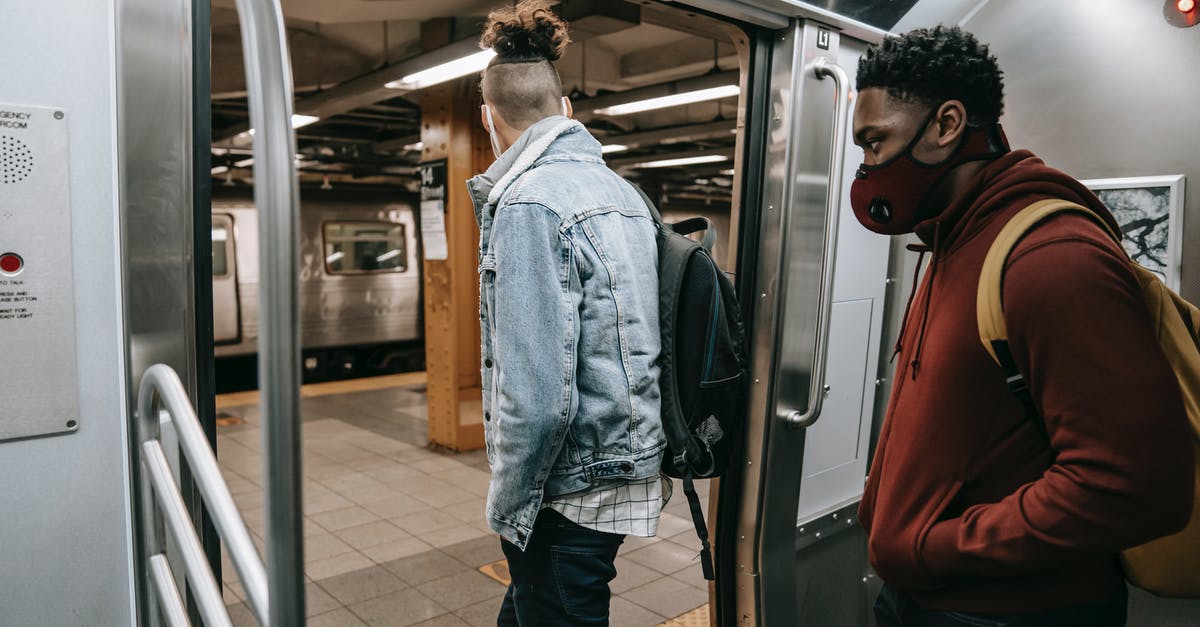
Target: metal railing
[161, 389]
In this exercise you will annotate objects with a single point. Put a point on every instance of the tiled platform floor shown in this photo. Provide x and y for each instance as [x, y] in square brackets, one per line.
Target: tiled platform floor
[394, 532]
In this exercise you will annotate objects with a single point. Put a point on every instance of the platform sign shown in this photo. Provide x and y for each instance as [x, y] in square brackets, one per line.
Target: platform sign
[433, 210]
[38, 394]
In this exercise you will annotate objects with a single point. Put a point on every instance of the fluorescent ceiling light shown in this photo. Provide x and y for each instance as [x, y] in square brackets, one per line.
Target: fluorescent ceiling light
[666, 163]
[244, 163]
[219, 235]
[393, 253]
[469, 64]
[728, 172]
[416, 146]
[607, 148]
[220, 170]
[303, 120]
[297, 122]
[335, 257]
[674, 100]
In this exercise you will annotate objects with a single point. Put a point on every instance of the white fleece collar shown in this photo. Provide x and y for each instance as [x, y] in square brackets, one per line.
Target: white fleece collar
[528, 156]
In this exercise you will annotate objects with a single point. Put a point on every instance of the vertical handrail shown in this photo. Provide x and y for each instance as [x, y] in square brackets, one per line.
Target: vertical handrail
[269, 86]
[822, 67]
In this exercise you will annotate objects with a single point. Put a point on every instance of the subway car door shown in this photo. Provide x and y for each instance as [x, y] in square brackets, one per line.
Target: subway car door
[790, 549]
[226, 308]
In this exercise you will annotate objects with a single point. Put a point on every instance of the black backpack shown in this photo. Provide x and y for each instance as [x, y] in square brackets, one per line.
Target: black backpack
[703, 365]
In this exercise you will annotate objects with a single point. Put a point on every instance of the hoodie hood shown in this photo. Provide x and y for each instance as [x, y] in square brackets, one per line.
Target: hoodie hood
[1018, 178]
[1018, 175]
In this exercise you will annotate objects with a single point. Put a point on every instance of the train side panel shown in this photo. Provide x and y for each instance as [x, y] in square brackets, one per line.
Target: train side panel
[338, 308]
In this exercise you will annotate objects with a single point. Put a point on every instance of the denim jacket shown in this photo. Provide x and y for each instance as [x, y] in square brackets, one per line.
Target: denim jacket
[568, 292]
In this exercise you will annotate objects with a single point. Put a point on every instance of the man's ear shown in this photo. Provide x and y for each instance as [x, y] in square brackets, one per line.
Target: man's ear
[950, 122]
[568, 108]
[483, 116]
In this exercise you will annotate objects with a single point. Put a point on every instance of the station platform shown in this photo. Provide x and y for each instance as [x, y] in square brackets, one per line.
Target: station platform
[395, 532]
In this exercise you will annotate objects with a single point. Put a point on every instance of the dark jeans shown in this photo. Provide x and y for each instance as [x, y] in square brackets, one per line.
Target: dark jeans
[561, 579]
[896, 609]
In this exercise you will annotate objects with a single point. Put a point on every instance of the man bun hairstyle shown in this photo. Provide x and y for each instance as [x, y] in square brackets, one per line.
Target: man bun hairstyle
[929, 66]
[521, 82]
[526, 33]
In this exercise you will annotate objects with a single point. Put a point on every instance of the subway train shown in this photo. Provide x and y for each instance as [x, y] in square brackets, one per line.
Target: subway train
[136, 268]
[360, 285]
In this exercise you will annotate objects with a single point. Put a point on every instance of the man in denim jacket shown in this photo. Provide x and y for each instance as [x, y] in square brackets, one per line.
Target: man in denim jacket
[569, 316]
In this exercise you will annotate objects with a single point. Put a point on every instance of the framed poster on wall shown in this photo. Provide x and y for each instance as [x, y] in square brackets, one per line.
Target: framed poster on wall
[1150, 212]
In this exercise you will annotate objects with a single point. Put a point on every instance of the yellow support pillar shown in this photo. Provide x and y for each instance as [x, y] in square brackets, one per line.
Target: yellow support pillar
[455, 149]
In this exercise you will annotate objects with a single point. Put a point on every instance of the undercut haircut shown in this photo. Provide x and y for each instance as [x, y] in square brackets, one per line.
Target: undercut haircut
[521, 81]
[930, 66]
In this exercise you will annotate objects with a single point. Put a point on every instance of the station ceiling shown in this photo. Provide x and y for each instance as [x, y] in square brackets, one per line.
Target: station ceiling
[343, 52]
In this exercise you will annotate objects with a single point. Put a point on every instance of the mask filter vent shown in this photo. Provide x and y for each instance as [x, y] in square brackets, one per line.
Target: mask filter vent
[881, 210]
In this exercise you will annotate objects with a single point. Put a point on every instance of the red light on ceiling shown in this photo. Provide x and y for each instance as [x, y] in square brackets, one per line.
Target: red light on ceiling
[11, 263]
[1186, 6]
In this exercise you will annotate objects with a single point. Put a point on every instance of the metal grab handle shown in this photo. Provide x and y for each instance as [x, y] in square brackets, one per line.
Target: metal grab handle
[162, 380]
[822, 67]
[169, 598]
[269, 86]
[175, 513]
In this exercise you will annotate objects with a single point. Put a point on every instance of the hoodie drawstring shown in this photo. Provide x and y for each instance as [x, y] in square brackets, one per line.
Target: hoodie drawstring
[927, 297]
[923, 250]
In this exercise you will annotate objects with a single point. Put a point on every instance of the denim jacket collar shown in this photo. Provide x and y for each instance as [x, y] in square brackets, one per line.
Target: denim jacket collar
[487, 188]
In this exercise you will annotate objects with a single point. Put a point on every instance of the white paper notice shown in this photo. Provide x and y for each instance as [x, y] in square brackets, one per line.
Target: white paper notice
[433, 229]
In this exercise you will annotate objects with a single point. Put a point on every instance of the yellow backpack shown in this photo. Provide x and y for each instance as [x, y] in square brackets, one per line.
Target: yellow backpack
[1168, 566]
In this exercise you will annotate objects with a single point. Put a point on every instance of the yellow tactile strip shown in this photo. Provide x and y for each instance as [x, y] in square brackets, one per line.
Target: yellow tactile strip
[498, 571]
[237, 399]
[695, 618]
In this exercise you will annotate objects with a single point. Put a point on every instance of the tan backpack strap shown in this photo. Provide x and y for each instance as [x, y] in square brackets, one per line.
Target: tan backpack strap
[988, 308]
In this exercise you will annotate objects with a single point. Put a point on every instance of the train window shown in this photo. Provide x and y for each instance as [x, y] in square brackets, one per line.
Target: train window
[220, 250]
[358, 247]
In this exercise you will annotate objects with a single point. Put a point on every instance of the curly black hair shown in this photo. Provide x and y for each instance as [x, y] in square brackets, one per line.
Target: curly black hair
[932, 65]
[528, 32]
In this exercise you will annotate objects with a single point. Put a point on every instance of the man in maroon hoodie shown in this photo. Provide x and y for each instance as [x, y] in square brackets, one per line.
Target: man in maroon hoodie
[973, 517]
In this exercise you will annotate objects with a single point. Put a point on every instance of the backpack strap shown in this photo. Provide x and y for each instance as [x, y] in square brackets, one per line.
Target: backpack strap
[649, 204]
[993, 331]
[695, 225]
[686, 227]
[988, 308]
[706, 560]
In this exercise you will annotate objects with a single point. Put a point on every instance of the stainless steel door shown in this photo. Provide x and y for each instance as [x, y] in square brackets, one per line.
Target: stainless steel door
[819, 300]
[226, 313]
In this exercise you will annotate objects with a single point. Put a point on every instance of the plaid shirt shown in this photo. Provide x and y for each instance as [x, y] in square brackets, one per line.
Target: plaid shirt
[628, 508]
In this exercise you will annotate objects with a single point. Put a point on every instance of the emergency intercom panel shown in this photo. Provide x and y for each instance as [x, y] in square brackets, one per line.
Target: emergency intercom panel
[37, 304]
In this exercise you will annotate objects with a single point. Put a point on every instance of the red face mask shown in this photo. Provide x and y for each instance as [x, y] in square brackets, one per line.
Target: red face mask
[888, 197]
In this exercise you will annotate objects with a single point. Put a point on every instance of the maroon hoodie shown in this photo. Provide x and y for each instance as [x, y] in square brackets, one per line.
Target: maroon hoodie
[966, 507]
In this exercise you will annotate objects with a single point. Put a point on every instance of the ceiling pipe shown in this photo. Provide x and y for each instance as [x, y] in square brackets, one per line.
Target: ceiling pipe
[367, 89]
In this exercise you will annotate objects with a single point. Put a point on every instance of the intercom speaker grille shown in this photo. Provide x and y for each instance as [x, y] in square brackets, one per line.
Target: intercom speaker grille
[16, 160]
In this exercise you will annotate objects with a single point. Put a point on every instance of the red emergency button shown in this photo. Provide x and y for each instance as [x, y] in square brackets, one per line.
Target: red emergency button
[11, 263]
